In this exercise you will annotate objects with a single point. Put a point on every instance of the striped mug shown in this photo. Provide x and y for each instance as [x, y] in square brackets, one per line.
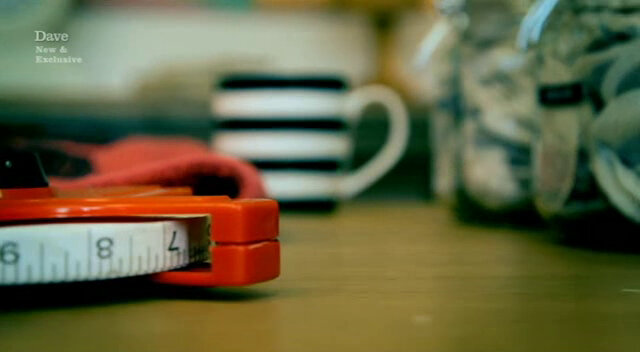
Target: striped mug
[298, 130]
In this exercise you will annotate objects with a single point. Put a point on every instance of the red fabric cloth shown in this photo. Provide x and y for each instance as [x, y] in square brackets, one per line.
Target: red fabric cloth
[158, 161]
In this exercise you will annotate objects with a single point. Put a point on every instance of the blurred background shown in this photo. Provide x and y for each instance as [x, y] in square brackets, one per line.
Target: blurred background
[472, 75]
[148, 67]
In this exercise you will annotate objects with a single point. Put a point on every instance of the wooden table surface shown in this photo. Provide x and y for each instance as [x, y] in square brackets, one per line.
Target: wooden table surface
[369, 277]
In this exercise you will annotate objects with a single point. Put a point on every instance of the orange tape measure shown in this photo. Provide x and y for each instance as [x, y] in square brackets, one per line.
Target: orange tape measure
[49, 235]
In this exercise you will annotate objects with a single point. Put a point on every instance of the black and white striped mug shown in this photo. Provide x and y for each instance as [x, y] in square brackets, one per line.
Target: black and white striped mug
[298, 130]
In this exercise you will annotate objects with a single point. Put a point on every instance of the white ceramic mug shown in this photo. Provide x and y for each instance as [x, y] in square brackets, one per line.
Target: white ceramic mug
[299, 131]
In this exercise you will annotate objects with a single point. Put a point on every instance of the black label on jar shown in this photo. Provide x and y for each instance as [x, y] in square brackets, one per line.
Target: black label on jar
[561, 94]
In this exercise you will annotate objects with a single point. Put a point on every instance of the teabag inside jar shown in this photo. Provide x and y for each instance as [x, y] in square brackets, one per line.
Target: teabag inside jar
[589, 67]
[499, 122]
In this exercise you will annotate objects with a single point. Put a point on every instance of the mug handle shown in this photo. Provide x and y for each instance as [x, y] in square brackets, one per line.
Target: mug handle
[395, 145]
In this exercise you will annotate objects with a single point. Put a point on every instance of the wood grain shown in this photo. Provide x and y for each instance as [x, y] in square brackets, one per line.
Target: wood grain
[370, 277]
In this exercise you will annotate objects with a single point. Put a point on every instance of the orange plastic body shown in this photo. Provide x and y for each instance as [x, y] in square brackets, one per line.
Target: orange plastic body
[243, 232]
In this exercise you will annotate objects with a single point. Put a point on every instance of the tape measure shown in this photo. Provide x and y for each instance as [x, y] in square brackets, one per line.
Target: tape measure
[50, 235]
[80, 251]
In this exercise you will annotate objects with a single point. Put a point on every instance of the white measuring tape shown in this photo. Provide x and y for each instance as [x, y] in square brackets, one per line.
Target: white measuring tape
[52, 252]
